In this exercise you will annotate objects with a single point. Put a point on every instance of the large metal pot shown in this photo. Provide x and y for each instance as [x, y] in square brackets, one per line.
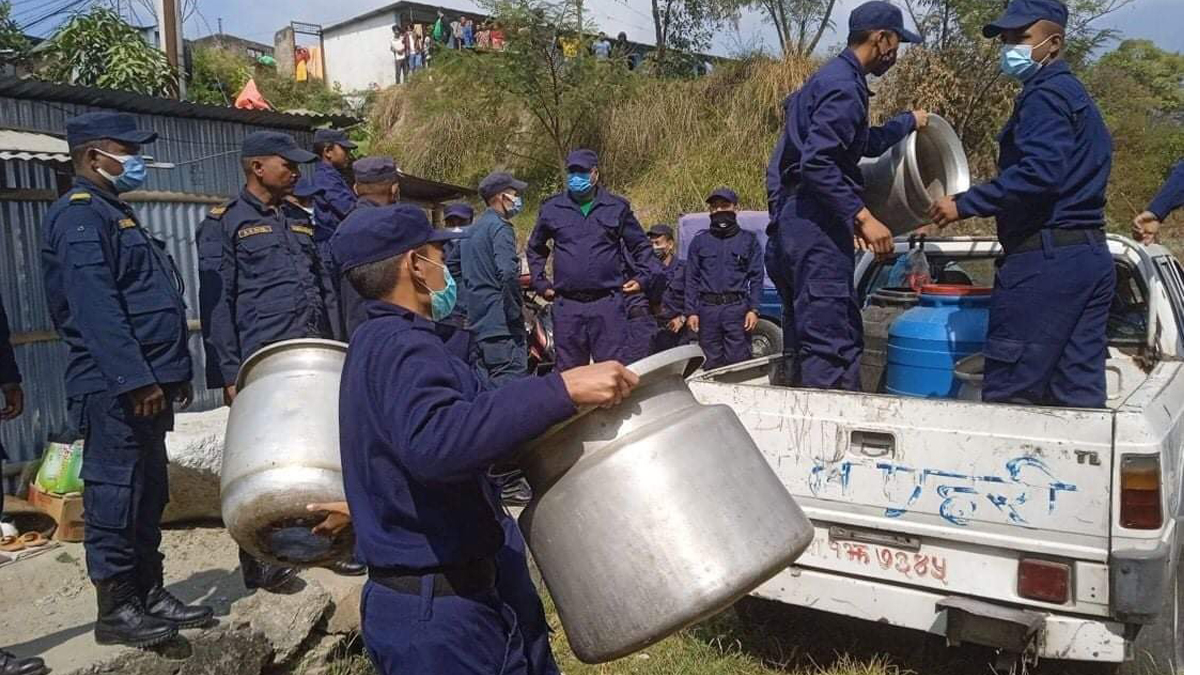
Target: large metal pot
[282, 453]
[654, 514]
[901, 184]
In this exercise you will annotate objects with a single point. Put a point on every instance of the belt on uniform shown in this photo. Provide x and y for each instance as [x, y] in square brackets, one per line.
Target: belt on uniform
[475, 577]
[639, 313]
[1058, 237]
[721, 298]
[586, 296]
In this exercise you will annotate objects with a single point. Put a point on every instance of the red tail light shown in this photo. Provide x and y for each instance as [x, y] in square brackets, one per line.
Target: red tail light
[1043, 580]
[1141, 493]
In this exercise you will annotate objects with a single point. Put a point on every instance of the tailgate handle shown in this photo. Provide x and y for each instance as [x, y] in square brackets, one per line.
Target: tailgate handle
[872, 443]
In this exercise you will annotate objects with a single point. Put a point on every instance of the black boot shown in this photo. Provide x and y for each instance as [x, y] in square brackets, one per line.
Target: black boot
[163, 605]
[347, 568]
[10, 664]
[258, 574]
[123, 619]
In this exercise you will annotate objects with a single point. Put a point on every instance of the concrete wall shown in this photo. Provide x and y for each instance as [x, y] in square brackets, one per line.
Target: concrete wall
[358, 56]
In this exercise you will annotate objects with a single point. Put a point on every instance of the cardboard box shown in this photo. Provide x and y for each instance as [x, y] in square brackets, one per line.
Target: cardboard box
[66, 510]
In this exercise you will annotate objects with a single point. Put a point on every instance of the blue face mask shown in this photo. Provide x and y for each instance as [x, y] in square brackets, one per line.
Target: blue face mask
[1017, 62]
[579, 182]
[517, 205]
[133, 172]
[443, 300]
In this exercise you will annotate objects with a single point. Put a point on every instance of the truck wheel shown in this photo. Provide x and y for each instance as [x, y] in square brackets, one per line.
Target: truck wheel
[766, 339]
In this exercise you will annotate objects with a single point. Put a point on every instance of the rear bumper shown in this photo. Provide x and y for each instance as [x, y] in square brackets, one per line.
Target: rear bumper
[1057, 636]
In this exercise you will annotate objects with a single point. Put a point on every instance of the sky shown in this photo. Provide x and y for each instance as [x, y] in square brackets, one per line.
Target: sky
[1157, 20]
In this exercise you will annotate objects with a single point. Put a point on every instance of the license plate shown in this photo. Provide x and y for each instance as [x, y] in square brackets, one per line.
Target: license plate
[875, 560]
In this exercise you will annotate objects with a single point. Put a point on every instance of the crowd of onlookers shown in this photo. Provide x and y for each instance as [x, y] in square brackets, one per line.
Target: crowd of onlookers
[413, 44]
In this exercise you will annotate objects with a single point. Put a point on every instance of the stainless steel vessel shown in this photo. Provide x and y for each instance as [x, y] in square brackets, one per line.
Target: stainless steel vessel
[654, 514]
[901, 184]
[282, 453]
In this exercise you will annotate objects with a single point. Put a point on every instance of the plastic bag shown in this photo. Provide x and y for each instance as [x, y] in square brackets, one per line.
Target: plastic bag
[61, 464]
[910, 271]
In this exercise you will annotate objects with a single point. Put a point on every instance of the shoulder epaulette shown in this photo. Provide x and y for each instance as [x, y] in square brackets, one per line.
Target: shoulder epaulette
[220, 209]
[81, 197]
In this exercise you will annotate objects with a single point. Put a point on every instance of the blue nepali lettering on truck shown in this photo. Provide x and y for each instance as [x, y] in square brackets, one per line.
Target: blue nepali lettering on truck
[903, 486]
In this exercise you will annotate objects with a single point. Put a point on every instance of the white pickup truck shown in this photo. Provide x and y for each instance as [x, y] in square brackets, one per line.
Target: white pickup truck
[1041, 532]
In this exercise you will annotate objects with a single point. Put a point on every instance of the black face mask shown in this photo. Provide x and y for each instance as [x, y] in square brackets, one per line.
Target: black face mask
[723, 223]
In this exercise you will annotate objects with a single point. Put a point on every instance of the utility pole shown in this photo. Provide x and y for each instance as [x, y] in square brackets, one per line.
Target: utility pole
[220, 28]
[170, 31]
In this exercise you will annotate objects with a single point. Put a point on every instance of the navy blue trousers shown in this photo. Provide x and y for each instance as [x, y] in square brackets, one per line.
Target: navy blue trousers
[1047, 330]
[125, 486]
[502, 631]
[811, 260]
[639, 330]
[588, 331]
[504, 358]
[723, 335]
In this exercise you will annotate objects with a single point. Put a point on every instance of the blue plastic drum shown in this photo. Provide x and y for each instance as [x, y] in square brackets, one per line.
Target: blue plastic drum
[924, 343]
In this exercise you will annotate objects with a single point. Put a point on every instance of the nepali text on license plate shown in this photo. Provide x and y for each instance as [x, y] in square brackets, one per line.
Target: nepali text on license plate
[908, 564]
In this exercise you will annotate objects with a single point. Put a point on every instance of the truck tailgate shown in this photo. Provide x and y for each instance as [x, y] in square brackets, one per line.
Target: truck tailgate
[1019, 478]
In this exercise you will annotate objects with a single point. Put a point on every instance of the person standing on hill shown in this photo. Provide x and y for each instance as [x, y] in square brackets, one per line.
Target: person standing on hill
[399, 53]
[1047, 336]
[591, 229]
[814, 191]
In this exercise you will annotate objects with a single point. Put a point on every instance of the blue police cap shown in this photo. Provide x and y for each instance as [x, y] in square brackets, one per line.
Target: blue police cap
[1022, 13]
[722, 193]
[879, 15]
[264, 143]
[375, 170]
[95, 126]
[371, 235]
[334, 136]
[460, 210]
[582, 159]
[661, 231]
[307, 188]
[499, 181]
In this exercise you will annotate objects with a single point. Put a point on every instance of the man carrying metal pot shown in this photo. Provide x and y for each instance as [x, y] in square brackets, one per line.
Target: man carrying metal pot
[814, 191]
[116, 299]
[262, 281]
[419, 427]
[1047, 329]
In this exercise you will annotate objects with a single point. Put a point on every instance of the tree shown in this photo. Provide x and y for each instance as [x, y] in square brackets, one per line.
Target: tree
[799, 24]
[98, 49]
[560, 95]
[13, 43]
[683, 27]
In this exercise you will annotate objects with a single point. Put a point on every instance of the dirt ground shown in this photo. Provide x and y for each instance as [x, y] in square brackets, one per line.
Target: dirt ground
[49, 604]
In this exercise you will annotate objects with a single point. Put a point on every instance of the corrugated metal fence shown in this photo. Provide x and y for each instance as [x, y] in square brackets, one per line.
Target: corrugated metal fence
[205, 150]
[40, 354]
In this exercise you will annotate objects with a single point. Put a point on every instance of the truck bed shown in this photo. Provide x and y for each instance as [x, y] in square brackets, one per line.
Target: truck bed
[940, 494]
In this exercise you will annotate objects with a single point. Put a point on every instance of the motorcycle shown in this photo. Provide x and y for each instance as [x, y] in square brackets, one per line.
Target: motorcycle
[539, 328]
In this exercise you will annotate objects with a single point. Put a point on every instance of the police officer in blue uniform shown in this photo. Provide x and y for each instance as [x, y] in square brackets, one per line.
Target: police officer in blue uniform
[668, 294]
[457, 215]
[640, 324]
[419, 428]
[14, 405]
[116, 299]
[814, 191]
[724, 283]
[262, 280]
[491, 271]
[1169, 198]
[335, 150]
[1047, 329]
[588, 226]
[303, 196]
[376, 184]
